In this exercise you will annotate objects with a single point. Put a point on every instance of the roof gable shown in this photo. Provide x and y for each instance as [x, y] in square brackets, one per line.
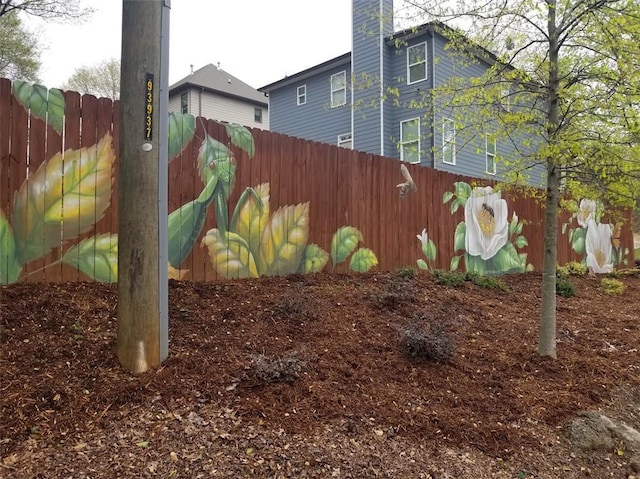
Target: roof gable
[216, 80]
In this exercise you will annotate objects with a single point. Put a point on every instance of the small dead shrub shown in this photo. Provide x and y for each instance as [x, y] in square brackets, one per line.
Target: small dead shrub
[429, 341]
[395, 294]
[296, 307]
[271, 370]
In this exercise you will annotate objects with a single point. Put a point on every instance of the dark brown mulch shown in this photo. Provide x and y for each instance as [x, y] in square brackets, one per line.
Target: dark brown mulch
[312, 376]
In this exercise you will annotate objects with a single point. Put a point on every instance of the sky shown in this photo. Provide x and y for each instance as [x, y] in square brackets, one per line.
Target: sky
[257, 41]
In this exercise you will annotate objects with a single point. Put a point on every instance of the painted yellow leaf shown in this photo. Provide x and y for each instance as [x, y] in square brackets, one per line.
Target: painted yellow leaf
[284, 240]
[251, 222]
[230, 255]
[174, 273]
[74, 187]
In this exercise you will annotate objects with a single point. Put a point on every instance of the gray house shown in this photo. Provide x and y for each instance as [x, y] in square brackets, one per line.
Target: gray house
[213, 93]
[346, 101]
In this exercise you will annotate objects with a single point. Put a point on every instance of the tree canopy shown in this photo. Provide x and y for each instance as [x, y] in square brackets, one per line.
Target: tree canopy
[19, 55]
[102, 79]
[61, 10]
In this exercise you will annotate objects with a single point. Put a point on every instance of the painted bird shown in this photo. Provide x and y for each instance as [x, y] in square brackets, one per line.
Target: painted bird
[408, 185]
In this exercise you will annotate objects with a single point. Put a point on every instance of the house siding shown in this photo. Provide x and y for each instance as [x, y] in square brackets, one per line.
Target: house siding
[315, 120]
[216, 107]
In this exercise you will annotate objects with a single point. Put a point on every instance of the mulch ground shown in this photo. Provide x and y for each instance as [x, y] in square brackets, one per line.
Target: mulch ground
[313, 376]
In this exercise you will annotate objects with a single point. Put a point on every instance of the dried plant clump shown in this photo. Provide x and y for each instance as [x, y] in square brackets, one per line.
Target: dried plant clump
[272, 370]
[299, 307]
[431, 342]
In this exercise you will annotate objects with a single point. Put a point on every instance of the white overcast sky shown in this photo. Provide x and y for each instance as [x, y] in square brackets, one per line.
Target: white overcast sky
[257, 41]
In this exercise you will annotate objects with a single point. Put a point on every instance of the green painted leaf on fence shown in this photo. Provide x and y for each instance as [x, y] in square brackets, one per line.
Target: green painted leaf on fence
[521, 242]
[48, 105]
[446, 197]
[455, 262]
[9, 267]
[184, 227]
[64, 198]
[422, 264]
[182, 127]
[363, 260]
[230, 255]
[578, 240]
[474, 264]
[251, 215]
[459, 238]
[430, 250]
[241, 137]
[463, 192]
[314, 259]
[508, 260]
[344, 242]
[97, 257]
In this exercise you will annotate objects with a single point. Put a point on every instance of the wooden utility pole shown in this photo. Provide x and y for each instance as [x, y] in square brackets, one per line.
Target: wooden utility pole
[142, 200]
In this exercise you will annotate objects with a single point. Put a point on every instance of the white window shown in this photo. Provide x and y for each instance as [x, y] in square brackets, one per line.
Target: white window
[302, 95]
[339, 89]
[257, 115]
[448, 141]
[345, 141]
[410, 140]
[184, 102]
[490, 155]
[417, 63]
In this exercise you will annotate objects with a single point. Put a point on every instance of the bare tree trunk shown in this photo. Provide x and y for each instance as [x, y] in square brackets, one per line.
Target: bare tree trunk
[547, 336]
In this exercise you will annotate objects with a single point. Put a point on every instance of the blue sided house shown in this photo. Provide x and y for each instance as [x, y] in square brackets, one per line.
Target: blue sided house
[377, 99]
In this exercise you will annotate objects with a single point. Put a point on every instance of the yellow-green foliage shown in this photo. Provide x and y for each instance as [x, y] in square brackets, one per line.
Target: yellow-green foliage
[572, 268]
[612, 286]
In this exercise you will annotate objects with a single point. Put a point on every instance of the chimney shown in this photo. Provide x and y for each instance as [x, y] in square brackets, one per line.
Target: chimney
[372, 24]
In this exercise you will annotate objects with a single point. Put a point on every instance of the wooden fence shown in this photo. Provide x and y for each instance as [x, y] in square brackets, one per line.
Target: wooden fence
[342, 188]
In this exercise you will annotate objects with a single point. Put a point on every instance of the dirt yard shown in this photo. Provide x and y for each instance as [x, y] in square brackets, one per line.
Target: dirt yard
[311, 377]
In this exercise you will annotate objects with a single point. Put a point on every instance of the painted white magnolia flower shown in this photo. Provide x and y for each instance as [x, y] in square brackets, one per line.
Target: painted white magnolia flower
[485, 215]
[424, 240]
[586, 212]
[598, 247]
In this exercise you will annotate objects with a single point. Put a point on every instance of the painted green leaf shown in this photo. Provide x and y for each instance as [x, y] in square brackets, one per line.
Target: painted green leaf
[251, 215]
[459, 237]
[431, 250]
[474, 264]
[422, 265]
[447, 197]
[363, 260]
[455, 204]
[508, 260]
[97, 257]
[284, 240]
[519, 228]
[182, 127]
[455, 262]
[344, 242]
[463, 192]
[578, 240]
[230, 255]
[48, 105]
[521, 242]
[9, 267]
[314, 259]
[241, 137]
[64, 198]
[184, 227]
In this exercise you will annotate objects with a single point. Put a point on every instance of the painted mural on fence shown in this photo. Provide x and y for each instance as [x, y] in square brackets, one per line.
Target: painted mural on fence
[62, 200]
[597, 242]
[489, 241]
[69, 193]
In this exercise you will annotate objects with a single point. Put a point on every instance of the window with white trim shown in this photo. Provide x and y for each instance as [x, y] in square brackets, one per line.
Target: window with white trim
[490, 149]
[416, 63]
[257, 115]
[302, 94]
[184, 102]
[448, 141]
[339, 89]
[345, 141]
[410, 140]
